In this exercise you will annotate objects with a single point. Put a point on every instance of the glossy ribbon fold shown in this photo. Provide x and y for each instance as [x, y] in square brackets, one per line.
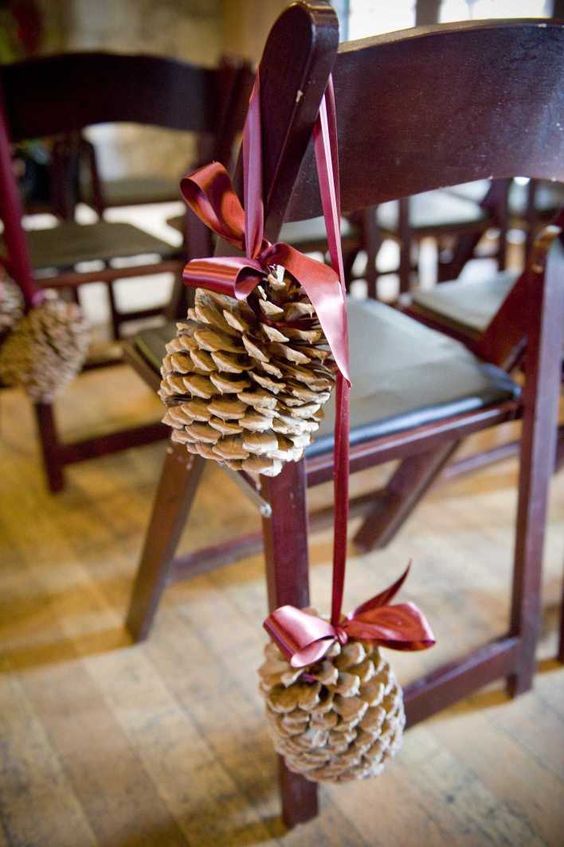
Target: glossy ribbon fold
[210, 194]
[305, 639]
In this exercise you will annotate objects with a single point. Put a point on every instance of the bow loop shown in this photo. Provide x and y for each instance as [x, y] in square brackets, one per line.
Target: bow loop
[210, 194]
[305, 639]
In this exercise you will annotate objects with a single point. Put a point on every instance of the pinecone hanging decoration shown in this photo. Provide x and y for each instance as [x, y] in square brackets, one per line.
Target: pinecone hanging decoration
[339, 719]
[11, 305]
[46, 349]
[245, 382]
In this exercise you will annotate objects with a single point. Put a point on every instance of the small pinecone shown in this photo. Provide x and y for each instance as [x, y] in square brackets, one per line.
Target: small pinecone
[245, 382]
[11, 305]
[46, 349]
[337, 720]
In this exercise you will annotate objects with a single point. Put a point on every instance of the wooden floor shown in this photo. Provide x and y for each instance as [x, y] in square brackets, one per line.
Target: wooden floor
[105, 743]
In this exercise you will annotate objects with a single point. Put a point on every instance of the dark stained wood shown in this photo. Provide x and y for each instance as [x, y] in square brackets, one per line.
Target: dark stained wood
[413, 441]
[179, 481]
[287, 579]
[418, 110]
[523, 72]
[460, 678]
[538, 449]
[427, 12]
[60, 96]
[105, 88]
[408, 484]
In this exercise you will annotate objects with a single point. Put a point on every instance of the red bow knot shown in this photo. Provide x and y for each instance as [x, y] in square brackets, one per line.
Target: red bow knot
[210, 194]
[305, 639]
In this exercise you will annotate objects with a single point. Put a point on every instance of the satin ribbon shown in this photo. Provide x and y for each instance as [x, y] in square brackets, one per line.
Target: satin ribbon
[210, 194]
[305, 639]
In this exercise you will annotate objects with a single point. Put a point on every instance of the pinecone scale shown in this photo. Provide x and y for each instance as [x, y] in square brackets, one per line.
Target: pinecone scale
[46, 349]
[245, 382]
[337, 720]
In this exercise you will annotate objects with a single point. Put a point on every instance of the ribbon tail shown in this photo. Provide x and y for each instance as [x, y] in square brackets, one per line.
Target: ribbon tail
[400, 627]
[385, 596]
[322, 286]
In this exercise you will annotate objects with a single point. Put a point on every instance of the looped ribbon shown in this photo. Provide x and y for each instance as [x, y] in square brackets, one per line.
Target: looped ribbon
[305, 638]
[210, 194]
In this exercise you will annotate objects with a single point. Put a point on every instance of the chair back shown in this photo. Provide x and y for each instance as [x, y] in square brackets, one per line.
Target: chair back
[59, 96]
[63, 94]
[417, 110]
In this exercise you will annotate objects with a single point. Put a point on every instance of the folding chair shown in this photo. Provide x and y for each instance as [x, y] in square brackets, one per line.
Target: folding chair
[416, 110]
[60, 96]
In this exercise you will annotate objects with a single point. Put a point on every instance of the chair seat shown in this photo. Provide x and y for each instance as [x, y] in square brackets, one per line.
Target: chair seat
[433, 210]
[132, 191]
[414, 377]
[303, 234]
[469, 304]
[549, 197]
[66, 244]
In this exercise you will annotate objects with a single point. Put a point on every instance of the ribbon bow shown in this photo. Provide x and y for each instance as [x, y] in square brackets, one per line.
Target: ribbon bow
[305, 639]
[210, 194]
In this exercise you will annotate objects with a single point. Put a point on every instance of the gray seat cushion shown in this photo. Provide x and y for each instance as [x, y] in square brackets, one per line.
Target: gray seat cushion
[66, 244]
[404, 375]
[433, 210]
[470, 304]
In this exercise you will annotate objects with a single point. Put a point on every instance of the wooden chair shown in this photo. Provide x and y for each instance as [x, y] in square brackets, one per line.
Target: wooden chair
[404, 103]
[60, 96]
[455, 223]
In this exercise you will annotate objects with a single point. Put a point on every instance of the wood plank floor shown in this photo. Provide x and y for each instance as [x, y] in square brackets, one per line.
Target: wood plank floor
[105, 743]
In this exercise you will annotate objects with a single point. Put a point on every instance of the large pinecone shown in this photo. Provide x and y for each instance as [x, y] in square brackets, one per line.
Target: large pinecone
[245, 382]
[11, 305]
[337, 720]
[45, 350]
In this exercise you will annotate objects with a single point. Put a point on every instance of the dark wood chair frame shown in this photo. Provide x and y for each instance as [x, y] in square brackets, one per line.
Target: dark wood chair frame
[234, 80]
[432, 68]
[60, 96]
[450, 263]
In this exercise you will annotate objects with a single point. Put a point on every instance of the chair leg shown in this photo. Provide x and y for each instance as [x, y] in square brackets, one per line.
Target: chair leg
[560, 655]
[177, 487]
[537, 454]
[114, 311]
[405, 246]
[391, 508]
[463, 252]
[50, 446]
[285, 545]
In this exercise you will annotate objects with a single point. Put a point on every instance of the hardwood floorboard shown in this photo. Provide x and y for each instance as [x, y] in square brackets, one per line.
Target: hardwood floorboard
[104, 743]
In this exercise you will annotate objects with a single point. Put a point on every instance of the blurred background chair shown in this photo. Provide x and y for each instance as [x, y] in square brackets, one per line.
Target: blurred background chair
[58, 97]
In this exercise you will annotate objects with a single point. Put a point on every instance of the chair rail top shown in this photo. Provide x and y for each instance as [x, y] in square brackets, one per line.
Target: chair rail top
[444, 104]
[61, 93]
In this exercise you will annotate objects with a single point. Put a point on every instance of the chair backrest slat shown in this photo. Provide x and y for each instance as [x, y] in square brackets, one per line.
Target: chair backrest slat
[108, 88]
[441, 105]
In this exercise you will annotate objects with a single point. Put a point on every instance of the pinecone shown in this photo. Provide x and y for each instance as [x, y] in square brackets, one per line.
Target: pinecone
[245, 382]
[11, 305]
[45, 350]
[337, 720]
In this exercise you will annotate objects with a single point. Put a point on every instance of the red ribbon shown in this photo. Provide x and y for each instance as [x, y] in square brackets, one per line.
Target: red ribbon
[305, 639]
[210, 194]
